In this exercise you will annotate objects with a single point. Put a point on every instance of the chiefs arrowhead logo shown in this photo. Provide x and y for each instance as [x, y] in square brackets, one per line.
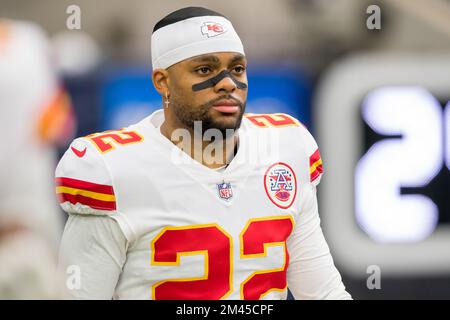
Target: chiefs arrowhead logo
[280, 184]
[212, 29]
[79, 154]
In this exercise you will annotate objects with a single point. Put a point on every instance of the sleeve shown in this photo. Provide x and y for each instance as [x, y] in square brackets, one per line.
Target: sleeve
[93, 247]
[92, 254]
[83, 181]
[311, 273]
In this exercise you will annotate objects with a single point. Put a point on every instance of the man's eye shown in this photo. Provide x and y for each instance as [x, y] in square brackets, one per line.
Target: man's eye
[203, 70]
[239, 69]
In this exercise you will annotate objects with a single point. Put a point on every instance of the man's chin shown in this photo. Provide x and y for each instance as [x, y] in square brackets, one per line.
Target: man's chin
[223, 121]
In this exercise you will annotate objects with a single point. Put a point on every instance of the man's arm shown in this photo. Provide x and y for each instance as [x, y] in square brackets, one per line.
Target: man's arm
[95, 247]
[311, 272]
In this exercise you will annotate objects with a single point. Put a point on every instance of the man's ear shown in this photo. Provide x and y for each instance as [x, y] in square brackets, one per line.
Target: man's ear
[160, 79]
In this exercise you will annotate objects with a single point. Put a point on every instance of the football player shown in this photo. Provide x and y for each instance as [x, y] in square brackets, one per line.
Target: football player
[187, 204]
[36, 114]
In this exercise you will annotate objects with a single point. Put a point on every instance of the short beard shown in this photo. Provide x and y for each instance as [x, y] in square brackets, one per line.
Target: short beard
[187, 115]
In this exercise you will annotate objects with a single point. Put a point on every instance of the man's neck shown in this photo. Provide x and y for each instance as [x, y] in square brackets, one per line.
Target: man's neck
[215, 154]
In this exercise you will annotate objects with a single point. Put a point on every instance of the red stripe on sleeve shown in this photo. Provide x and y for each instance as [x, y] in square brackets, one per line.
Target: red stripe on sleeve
[314, 157]
[93, 203]
[316, 173]
[318, 170]
[84, 185]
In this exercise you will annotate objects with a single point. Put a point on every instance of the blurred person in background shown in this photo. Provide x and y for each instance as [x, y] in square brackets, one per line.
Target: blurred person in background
[36, 116]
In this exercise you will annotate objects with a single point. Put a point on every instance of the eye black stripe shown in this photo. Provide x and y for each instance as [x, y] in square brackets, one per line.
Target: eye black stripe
[216, 79]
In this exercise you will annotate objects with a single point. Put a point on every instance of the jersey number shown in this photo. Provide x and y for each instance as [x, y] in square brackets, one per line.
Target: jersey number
[217, 247]
[272, 120]
[107, 140]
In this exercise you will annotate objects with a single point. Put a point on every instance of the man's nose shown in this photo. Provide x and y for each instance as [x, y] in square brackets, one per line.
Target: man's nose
[225, 85]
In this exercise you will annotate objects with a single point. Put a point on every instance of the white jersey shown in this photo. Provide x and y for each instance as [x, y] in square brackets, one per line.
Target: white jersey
[148, 222]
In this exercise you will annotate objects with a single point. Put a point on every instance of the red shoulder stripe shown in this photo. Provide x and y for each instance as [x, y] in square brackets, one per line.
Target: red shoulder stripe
[315, 165]
[91, 202]
[84, 185]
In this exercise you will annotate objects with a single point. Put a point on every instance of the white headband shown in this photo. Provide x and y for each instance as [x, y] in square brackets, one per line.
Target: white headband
[192, 37]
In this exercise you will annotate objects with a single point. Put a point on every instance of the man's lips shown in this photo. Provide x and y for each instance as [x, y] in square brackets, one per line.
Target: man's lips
[226, 106]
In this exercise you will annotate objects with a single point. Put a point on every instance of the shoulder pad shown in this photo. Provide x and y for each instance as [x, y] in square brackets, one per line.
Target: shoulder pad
[281, 120]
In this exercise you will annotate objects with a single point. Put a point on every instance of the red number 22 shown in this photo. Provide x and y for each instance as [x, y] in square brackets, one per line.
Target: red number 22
[216, 245]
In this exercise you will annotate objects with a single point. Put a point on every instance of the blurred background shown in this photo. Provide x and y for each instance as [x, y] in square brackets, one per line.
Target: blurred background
[373, 92]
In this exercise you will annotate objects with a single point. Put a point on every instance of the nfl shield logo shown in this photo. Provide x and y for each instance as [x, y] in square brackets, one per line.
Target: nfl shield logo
[225, 191]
